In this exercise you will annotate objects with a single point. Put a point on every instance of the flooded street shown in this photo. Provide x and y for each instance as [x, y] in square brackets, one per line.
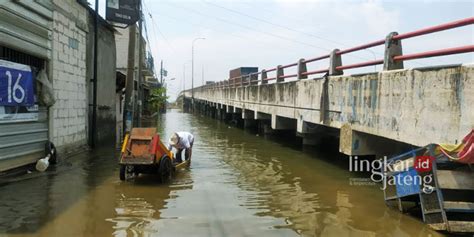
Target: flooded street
[239, 184]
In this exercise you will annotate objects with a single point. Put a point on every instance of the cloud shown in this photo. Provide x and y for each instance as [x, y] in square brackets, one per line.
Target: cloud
[316, 27]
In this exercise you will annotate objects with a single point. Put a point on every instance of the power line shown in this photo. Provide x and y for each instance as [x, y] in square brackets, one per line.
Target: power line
[282, 26]
[250, 28]
[273, 24]
[297, 31]
[268, 33]
[155, 28]
[146, 36]
[214, 29]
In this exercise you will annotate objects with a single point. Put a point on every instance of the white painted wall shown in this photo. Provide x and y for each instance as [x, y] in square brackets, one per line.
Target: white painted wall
[68, 123]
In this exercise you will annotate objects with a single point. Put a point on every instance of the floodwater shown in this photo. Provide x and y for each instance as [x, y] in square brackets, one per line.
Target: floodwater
[239, 184]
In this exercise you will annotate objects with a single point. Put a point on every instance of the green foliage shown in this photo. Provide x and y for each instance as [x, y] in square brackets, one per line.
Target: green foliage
[158, 99]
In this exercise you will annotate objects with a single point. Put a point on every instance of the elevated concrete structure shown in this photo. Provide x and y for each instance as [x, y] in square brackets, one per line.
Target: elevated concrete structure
[414, 106]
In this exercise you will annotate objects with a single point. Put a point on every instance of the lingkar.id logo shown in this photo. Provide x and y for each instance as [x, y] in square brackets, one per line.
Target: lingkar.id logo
[381, 167]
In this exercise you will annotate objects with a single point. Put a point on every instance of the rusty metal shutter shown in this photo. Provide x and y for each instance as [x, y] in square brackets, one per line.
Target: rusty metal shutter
[26, 26]
[25, 38]
[23, 143]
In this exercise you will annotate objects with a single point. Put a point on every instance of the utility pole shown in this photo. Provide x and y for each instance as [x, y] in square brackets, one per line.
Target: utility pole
[202, 76]
[93, 129]
[140, 62]
[161, 73]
[184, 76]
[129, 85]
[192, 76]
[161, 80]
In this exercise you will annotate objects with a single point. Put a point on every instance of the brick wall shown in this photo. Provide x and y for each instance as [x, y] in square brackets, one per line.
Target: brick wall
[68, 123]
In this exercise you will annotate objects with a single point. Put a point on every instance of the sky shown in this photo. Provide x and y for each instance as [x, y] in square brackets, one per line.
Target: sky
[267, 33]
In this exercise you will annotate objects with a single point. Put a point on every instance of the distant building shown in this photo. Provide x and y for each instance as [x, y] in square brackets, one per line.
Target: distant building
[235, 74]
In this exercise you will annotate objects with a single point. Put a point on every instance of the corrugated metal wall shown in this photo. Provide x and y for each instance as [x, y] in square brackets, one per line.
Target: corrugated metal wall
[23, 142]
[25, 37]
[26, 26]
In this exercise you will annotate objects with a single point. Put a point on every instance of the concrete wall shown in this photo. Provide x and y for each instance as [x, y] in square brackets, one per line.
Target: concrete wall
[106, 75]
[416, 106]
[68, 117]
[121, 42]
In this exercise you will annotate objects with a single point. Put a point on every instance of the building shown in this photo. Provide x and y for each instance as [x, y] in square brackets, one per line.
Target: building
[50, 38]
[149, 80]
[106, 74]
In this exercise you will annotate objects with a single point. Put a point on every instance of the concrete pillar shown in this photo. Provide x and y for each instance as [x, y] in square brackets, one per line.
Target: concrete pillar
[303, 127]
[236, 119]
[264, 77]
[358, 143]
[301, 69]
[264, 123]
[311, 133]
[324, 102]
[354, 143]
[223, 112]
[282, 123]
[229, 109]
[253, 79]
[279, 73]
[335, 61]
[249, 118]
[392, 48]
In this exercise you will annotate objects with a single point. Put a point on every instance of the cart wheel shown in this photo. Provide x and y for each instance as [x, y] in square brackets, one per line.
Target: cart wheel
[122, 172]
[126, 172]
[165, 169]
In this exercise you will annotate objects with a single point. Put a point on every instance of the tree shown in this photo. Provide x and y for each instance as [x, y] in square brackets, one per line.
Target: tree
[158, 99]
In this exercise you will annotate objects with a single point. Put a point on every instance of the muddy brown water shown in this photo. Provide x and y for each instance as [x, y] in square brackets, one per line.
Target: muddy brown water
[239, 184]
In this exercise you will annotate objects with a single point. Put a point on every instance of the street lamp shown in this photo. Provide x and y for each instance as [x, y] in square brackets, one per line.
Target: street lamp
[192, 70]
[183, 82]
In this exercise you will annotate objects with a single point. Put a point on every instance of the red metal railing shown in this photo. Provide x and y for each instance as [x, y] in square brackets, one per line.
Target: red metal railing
[364, 64]
[429, 30]
[434, 53]
[253, 77]
[361, 47]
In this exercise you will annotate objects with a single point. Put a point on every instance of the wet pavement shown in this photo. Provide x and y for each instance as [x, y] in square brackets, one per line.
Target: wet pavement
[239, 184]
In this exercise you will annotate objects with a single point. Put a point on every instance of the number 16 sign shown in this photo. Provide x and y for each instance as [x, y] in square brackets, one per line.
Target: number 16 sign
[16, 84]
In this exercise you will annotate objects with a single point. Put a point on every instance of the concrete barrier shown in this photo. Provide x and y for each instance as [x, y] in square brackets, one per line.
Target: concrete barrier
[414, 106]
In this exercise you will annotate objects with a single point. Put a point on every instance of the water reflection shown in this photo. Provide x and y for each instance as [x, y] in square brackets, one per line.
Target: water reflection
[138, 203]
[310, 194]
[238, 185]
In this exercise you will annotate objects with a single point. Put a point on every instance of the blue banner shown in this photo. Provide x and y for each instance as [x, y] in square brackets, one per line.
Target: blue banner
[407, 185]
[16, 84]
